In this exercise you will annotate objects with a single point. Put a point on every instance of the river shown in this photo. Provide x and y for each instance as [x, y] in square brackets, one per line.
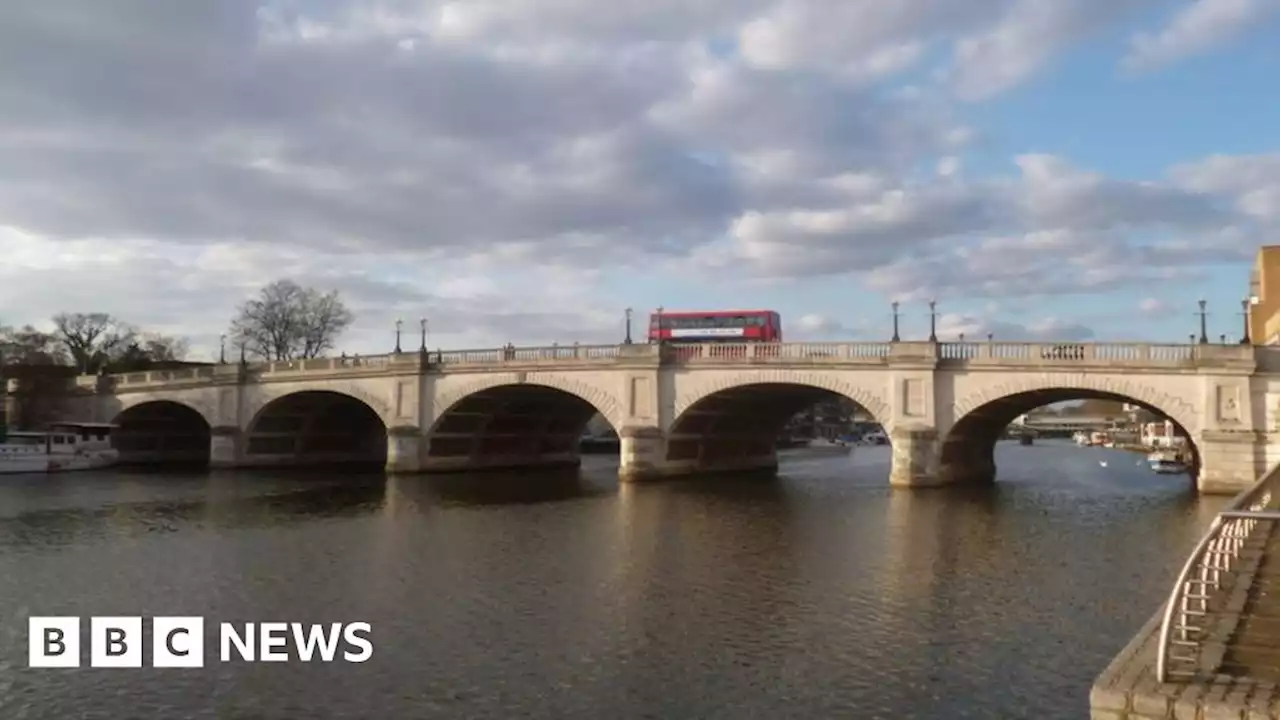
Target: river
[819, 594]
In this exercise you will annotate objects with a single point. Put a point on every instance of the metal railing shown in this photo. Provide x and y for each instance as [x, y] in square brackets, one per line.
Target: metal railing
[1209, 577]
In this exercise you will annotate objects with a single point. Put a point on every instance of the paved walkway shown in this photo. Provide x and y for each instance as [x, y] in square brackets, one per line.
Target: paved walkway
[1244, 678]
[1254, 651]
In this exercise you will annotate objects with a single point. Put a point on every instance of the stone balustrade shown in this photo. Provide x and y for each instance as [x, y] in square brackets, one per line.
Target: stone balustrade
[866, 353]
[946, 354]
[1105, 354]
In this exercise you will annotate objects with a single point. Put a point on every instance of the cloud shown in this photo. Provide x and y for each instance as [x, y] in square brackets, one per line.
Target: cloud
[1155, 307]
[1029, 35]
[820, 328]
[1051, 229]
[1198, 27]
[1250, 183]
[976, 328]
[491, 164]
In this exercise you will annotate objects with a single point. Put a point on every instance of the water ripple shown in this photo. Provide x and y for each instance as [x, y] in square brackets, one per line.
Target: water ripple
[819, 594]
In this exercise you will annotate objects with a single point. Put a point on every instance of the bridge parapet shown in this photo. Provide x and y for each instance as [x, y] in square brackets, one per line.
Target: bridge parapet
[149, 378]
[952, 355]
[555, 355]
[860, 353]
[1103, 354]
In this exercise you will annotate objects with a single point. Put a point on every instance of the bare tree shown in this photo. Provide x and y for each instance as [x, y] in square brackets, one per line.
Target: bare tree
[92, 339]
[35, 363]
[29, 346]
[163, 348]
[287, 321]
[146, 350]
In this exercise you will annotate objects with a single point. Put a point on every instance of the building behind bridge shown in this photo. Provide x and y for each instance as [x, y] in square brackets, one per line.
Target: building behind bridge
[1264, 297]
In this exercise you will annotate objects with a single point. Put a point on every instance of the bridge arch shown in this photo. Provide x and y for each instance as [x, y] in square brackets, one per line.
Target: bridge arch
[317, 427]
[506, 421]
[155, 432]
[968, 446]
[868, 399]
[604, 402]
[734, 421]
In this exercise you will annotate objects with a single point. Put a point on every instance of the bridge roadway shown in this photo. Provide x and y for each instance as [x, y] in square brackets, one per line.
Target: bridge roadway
[680, 409]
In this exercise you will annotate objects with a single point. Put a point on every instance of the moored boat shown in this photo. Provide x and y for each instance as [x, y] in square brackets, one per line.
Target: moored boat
[62, 447]
[1165, 463]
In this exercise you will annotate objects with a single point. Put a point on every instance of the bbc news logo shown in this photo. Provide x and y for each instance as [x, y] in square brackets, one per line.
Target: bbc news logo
[178, 642]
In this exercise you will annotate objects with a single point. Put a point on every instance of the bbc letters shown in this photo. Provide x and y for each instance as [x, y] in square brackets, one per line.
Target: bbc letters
[179, 642]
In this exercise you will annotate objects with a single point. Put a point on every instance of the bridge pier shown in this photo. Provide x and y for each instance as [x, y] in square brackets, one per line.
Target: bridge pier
[226, 446]
[404, 449]
[915, 457]
[967, 459]
[1230, 461]
[642, 452]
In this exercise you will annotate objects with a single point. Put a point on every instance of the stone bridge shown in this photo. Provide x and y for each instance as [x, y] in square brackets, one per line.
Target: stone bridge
[681, 409]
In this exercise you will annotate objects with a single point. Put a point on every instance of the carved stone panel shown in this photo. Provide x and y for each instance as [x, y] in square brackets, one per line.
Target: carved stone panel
[1228, 403]
[227, 406]
[640, 399]
[404, 399]
[913, 397]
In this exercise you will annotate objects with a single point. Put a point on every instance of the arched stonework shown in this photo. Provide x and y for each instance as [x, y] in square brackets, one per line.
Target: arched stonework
[264, 397]
[128, 402]
[1176, 408]
[872, 402]
[601, 400]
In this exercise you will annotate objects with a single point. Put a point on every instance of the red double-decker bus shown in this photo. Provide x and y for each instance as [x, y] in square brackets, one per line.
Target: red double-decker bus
[716, 326]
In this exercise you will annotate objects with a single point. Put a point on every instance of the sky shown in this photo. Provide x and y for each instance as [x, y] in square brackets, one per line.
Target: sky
[525, 170]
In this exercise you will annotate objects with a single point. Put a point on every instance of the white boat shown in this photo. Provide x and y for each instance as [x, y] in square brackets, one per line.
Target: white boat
[1081, 439]
[63, 447]
[1165, 463]
[829, 447]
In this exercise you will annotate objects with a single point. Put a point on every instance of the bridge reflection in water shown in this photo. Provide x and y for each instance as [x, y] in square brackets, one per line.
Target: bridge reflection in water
[819, 593]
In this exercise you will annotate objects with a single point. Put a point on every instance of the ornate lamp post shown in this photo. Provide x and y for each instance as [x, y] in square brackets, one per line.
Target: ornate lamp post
[896, 338]
[933, 321]
[222, 349]
[1204, 330]
[627, 339]
[659, 314]
[398, 324]
[1244, 311]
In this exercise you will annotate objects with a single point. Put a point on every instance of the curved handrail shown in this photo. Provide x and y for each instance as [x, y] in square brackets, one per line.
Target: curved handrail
[1214, 555]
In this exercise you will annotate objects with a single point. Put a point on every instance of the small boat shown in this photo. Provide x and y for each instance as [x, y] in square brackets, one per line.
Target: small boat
[875, 438]
[829, 447]
[1165, 463]
[63, 447]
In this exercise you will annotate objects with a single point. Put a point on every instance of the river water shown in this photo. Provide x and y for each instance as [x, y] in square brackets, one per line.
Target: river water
[819, 594]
